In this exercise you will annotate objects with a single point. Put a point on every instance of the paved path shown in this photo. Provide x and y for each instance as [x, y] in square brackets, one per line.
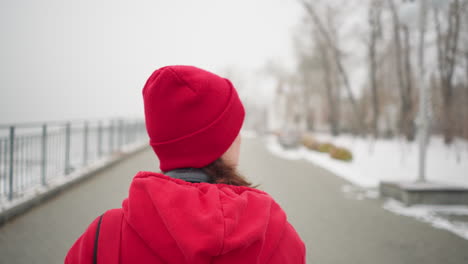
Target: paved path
[336, 229]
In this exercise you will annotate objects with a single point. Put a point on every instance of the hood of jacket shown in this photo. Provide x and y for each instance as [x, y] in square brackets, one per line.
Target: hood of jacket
[183, 222]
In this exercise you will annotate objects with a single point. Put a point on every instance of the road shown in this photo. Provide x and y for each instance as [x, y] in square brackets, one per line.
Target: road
[335, 228]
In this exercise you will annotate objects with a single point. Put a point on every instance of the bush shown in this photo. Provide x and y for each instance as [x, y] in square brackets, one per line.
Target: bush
[325, 147]
[310, 142]
[341, 154]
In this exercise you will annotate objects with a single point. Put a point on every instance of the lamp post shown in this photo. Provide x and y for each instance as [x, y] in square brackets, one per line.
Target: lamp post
[424, 111]
[414, 15]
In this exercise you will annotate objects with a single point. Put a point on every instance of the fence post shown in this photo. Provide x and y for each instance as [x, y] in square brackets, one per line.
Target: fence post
[44, 155]
[99, 139]
[111, 136]
[12, 149]
[5, 167]
[135, 131]
[85, 144]
[136, 128]
[131, 127]
[125, 132]
[142, 130]
[67, 148]
[120, 137]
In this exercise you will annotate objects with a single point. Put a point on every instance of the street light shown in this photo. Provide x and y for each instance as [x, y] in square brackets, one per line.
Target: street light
[414, 14]
[423, 119]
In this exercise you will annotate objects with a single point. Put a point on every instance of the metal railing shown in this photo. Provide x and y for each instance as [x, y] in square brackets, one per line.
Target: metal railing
[32, 154]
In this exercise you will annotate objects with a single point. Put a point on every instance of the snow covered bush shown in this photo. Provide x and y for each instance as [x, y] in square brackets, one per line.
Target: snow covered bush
[310, 142]
[325, 147]
[341, 154]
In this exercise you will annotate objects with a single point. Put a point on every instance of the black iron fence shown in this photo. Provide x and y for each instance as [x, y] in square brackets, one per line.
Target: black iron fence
[32, 154]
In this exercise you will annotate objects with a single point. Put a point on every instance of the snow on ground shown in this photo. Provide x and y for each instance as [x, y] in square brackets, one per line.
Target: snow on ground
[393, 160]
[451, 218]
[386, 160]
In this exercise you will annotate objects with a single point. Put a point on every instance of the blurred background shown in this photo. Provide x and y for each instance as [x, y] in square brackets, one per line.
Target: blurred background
[339, 66]
[341, 95]
[88, 59]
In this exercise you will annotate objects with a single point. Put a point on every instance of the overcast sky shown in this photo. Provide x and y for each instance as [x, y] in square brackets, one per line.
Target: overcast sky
[63, 59]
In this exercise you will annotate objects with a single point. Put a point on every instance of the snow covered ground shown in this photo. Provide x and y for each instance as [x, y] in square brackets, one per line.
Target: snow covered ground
[387, 160]
[453, 218]
[393, 160]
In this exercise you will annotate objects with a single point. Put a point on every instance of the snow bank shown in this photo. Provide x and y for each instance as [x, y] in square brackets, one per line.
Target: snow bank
[437, 216]
[394, 160]
[386, 160]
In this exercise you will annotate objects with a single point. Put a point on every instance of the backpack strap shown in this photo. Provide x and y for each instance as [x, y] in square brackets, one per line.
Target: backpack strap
[108, 234]
[96, 239]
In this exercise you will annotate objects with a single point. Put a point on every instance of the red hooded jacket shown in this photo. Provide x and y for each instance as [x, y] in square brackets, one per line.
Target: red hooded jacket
[166, 220]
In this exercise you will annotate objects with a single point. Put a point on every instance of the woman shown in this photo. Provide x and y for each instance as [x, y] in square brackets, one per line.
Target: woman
[199, 209]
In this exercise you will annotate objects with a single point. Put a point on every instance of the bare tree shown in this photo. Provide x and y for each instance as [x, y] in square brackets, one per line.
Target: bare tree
[308, 70]
[337, 58]
[317, 75]
[375, 9]
[422, 39]
[332, 100]
[465, 58]
[447, 51]
[403, 67]
[465, 133]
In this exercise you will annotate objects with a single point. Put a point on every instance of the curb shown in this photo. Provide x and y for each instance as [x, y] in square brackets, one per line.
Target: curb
[414, 193]
[86, 173]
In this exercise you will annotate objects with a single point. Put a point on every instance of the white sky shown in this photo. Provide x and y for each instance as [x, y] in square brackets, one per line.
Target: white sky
[63, 59]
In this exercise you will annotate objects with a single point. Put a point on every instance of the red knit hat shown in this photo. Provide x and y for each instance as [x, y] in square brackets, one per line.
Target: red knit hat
[192, 116]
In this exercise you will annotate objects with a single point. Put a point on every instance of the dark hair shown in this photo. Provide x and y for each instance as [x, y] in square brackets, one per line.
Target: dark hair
[220, 172]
